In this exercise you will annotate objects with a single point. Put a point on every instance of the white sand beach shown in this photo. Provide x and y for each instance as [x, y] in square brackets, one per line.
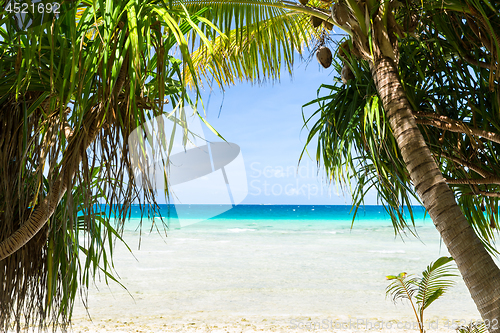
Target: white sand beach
[237, 280]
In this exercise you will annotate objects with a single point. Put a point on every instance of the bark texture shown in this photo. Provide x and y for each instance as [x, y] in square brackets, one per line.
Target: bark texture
[76, 150]
[44, 210]
[478, 269]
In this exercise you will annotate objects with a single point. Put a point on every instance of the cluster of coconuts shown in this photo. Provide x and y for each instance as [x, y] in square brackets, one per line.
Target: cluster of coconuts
[316, 21]
[323, 54]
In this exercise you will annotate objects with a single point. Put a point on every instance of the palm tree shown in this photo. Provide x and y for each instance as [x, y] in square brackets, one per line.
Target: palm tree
[403, 77]
[422, 291]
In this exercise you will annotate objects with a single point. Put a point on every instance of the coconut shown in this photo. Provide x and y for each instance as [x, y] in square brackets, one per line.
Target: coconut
[303, 2]
[327, 25]
[346, 74]
[345, 51]
[340, 12]
[316, 21]
[324, 56]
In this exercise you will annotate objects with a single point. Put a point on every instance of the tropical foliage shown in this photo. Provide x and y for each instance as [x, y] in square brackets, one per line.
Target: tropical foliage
[356, 146]
[415, 112]
[259, 37]
[72, 88]
[455, 104]
[422, 291]
[473, 328]
[465, 146]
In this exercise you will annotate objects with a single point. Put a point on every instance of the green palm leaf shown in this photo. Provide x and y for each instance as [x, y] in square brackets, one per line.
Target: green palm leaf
[259, 37]
[434, 283]
[404, 286]
[422, 291]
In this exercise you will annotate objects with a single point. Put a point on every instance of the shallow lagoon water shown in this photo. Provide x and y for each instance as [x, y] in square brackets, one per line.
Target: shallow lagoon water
[275, 269]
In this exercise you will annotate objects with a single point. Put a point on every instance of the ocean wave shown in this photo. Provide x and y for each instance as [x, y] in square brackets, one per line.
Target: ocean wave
[239, 230]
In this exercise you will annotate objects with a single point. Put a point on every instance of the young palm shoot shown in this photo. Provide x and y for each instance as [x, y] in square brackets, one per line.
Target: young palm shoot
[478, 327]
[422, 291]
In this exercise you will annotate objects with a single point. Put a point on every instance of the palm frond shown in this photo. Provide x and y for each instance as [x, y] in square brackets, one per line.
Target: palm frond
[356, 146]
[434, 283]
[259, 38]
[422, 291]
[403, 286]
[255, 52]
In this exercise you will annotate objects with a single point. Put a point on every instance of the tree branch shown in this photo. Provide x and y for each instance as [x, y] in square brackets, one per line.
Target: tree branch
[490, 180]
[486, 194]
[468, 165]
[452, 125]
[477, 63]
[44, 210]
[317, 12]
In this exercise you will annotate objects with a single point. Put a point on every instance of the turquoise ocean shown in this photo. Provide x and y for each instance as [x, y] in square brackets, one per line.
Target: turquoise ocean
[332, 215]
[281, 265]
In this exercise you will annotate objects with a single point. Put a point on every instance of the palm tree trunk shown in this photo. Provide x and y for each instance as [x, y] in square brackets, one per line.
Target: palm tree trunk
[480, 273]
[44, 210]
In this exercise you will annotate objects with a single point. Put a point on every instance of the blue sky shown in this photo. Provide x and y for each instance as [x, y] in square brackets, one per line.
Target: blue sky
[266, 122]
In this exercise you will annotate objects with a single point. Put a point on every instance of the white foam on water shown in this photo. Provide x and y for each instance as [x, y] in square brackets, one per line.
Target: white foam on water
[239, 230]
[387, 251]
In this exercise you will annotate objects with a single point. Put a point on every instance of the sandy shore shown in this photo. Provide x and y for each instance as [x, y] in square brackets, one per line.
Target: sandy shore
[236, 282]
[251, 324]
